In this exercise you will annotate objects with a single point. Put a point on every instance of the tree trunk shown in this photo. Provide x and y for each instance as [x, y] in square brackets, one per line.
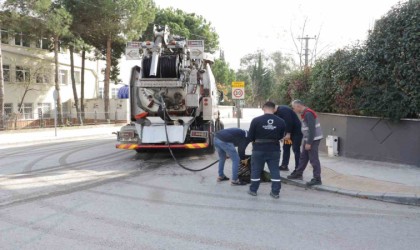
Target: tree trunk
[73, 85]
[20, 106]
[82, 85]
[2, 114]
[57, 83]
[107, 78]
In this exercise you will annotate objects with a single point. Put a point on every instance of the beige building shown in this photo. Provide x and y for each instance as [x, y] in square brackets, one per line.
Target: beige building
[28, 67]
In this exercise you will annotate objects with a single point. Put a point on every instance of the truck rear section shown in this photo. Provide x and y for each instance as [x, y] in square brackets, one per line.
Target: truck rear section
[173, 96]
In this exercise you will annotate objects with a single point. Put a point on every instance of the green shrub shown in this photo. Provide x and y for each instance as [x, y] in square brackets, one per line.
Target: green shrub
[379, 78]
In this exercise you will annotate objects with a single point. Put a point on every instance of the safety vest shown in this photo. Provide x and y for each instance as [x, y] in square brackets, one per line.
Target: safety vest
[305, 129]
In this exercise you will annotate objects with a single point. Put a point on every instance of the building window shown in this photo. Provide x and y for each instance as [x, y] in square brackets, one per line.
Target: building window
[65, 108]
[22, 74]
[43, 43]
[77, 77]
[42, 78]
[27, 111]
[22, 40]
[6, 73]
[4, 36]
[8, 109]
[114, 93]
[45, 109]
[64, 76]
[101, 93]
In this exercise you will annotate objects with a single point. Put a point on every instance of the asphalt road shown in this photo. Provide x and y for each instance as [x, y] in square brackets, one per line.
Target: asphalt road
[89, 195]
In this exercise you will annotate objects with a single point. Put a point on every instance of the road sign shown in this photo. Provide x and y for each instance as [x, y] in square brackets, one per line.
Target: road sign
[238, 90]
[132, 51]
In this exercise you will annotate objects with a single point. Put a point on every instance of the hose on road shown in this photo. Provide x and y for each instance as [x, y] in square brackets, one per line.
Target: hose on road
[170, 149]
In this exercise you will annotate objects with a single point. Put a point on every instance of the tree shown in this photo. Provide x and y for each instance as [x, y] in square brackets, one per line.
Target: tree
[188, 25]
[392, 64]
[26, 81]
[378, 78]
[224, 76]
[2, 115]
[73, 84]
[14, 22]
[56, 21]
[107, 25]
[84, 47]
[261, 78]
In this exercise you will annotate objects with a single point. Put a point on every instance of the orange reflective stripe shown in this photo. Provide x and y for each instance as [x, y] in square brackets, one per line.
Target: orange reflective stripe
[126, 146]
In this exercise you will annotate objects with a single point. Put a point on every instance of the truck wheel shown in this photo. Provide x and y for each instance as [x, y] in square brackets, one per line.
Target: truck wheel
[219, 125]
[210, 128]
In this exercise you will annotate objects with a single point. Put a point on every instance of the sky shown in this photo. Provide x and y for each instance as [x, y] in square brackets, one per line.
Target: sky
[247, 26]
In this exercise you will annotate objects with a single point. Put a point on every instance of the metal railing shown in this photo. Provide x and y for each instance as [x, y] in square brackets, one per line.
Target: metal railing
[38, 120]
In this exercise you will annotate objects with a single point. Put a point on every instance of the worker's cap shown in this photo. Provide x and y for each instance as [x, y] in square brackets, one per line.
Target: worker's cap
[299, 102]
[269, 105]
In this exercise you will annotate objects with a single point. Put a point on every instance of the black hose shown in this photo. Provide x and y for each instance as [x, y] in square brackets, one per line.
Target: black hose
[170, 149]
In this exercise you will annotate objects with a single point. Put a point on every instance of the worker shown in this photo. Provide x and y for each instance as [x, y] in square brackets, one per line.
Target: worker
[225, 142]
[265, 132]
[312, 135]
[293, 137]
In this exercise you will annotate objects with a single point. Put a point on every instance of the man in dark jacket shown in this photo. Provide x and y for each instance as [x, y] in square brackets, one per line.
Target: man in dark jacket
[312, 135]
[225, 142]
[293, 136]
[265, 132]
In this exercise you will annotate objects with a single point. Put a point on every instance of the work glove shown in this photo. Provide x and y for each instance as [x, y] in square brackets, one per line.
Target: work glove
[287, 142]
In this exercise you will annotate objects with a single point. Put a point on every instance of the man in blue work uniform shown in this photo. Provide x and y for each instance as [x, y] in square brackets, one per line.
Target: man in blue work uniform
[293, 136]
[225, 142]
[265, 132]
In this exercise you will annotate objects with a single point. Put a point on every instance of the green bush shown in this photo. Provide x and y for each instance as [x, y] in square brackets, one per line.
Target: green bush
[392, 66]
[379, 78]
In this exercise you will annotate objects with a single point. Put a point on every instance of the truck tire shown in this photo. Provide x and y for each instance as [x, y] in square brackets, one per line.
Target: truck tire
[219, 125]
[210, 128]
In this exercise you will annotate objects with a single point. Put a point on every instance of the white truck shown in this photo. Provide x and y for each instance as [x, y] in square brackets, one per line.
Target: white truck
[173, 96]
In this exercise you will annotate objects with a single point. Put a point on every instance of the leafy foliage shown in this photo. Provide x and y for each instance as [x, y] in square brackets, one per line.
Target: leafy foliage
[392, 64]
[188, 25]
[224, 76]
[379, 78]
[263, 75]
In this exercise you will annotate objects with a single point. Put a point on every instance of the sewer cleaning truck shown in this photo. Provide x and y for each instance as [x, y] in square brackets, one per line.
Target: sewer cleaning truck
[173, 96]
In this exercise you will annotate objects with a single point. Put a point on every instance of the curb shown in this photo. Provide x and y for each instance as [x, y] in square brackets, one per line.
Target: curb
[399, 198]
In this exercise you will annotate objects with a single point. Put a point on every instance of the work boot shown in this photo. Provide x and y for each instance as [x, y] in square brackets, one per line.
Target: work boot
[275, 196]
[252, 193]
[284, 168]
[314, 181]
[295, 176]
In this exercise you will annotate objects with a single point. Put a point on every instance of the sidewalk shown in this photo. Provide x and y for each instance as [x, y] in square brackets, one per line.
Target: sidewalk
[366, 179]
[30, 136]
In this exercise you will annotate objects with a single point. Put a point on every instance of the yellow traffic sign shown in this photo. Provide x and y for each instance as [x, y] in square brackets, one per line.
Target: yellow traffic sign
[238, 90]
[238, 84]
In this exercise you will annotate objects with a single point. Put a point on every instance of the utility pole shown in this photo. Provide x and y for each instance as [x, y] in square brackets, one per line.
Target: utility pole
[306, 38]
